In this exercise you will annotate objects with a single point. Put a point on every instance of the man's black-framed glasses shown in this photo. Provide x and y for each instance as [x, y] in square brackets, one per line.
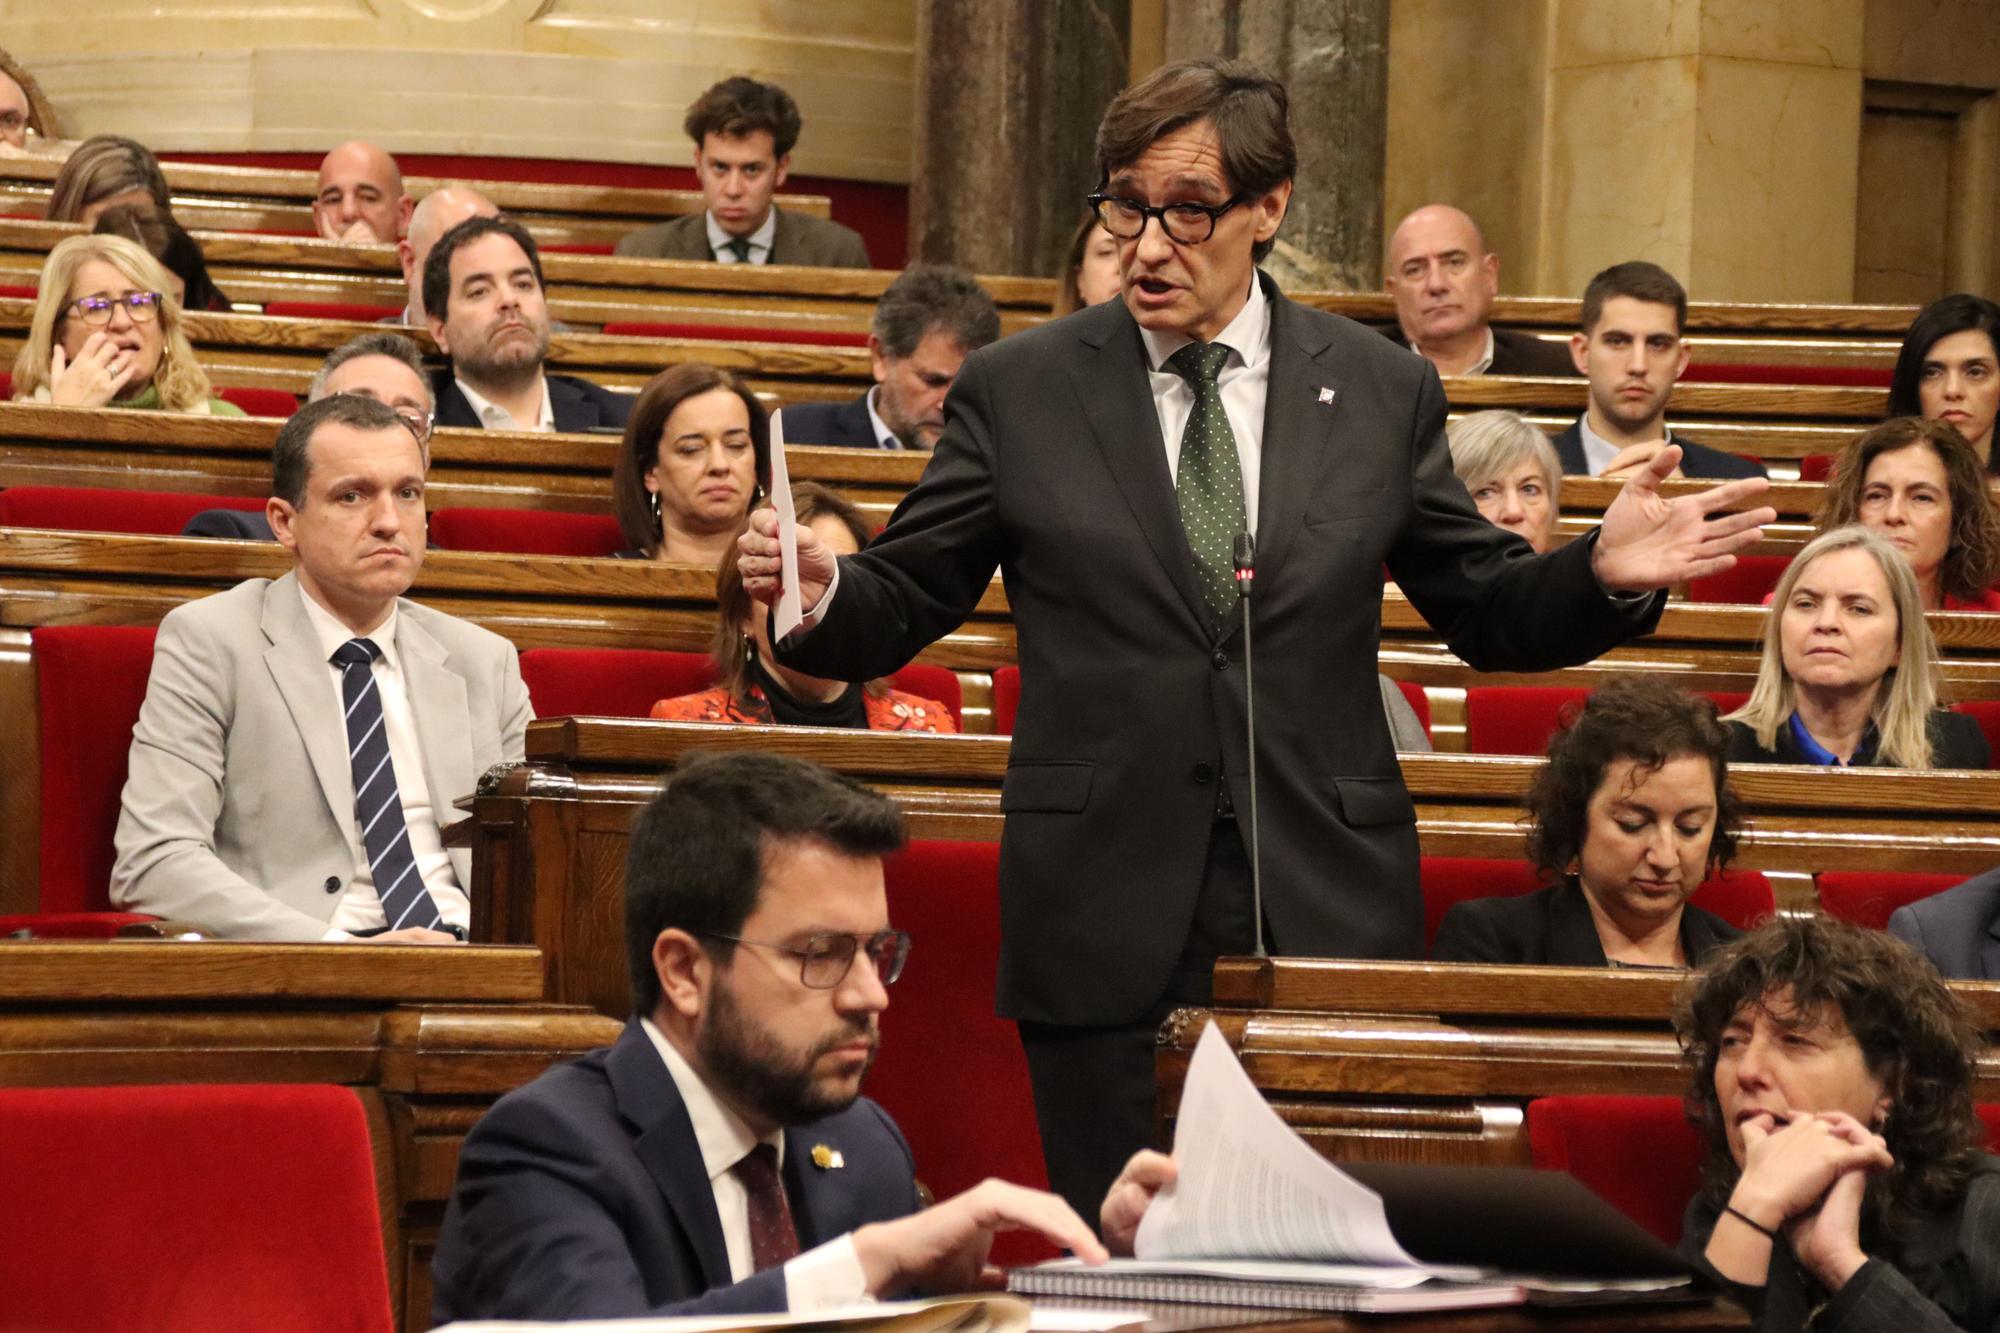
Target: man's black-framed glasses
[1186, 223]
[824, 960]
[95, 311]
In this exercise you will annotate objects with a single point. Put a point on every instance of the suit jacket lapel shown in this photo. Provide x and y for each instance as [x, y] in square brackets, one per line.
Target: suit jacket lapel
[1109, 378]
[817, 1193]
[302, 678]
[1573, 940]
[442, 716]
[1298, 428]
[649, 1101]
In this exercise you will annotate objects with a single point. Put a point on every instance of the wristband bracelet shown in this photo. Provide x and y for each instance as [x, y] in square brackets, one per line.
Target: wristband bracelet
[1752, 1223]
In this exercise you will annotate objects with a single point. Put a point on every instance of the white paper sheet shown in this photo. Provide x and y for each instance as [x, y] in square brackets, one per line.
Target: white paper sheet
[790, 609]
[1250, 1188]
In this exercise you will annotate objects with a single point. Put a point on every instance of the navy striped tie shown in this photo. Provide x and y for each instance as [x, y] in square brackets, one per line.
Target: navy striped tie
[385, 835]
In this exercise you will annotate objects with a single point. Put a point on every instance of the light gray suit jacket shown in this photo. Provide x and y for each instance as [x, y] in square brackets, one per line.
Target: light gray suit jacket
[1958, 930]
[240, 797]
[801, 239]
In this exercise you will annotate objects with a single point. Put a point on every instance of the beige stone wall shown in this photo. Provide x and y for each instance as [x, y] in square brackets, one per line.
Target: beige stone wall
[604, 79]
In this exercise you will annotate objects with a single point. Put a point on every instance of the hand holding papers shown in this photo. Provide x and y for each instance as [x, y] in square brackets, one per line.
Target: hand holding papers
[790, 608]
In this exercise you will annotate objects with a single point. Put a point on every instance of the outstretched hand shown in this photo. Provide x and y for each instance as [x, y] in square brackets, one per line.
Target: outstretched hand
[757, 561]
[1648, 541]
[943, 1249]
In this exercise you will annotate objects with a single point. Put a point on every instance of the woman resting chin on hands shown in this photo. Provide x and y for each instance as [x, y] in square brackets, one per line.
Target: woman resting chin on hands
[1845, 1186]
[100, 372]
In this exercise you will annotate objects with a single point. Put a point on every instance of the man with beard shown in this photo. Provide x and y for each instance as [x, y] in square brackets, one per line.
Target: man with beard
[484, 304]
[718, 1159]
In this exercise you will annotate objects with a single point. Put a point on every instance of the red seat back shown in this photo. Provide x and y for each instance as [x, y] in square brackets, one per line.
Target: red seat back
[1868, 897]
[1449, 880]
[91, 680]
[1816, 467]
[360, 314]
[1853, 377]
[189, 1207]
[526, 531]
[1747, 583]
[261, 402]
[740, 333]
[1743, 898]
[1518, 719]
[1420, 703]
[95, 509]
[610, 682]
[1638, 1153]
[1007, 700]
[15, 291]
[951, 1073]
[1986, 712]
[938, 684]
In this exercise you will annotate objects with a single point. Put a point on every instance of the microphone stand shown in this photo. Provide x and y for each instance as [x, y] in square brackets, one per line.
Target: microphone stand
[1246, 577]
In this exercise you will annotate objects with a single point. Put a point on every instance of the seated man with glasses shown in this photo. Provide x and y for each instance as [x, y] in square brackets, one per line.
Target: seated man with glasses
[719, 1159]
[384, 366]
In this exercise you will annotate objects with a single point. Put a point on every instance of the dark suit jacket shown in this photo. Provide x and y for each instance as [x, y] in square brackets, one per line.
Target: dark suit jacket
[243, 525]
[1697, 460]
[583, 1196]
[801, 239]
[1552, 927]
[1513, 353]
[831, 423]
[1051, 469]
[1956, 742]
[579, 405]
[1958, 930]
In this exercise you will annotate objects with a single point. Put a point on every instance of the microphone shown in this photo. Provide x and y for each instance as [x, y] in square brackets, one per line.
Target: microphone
[1245, 555]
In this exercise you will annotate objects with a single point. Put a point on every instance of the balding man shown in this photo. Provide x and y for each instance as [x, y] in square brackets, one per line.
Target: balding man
[438, 213]
[1444, 279]
[14, 112]
[360, 200]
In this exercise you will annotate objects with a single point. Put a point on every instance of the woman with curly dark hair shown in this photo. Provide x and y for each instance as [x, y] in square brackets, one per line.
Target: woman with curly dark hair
[1630, 814]
[1845, 1187]
[1920, 486]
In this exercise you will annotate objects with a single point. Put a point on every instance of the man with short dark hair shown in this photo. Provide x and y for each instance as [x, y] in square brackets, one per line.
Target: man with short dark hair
[1630, 349]
[929, 320]
[1444, 279]
[719, 1159]
[303, 740]
[1106, 463]
[484, 303]
[360, 198]
[743, 134]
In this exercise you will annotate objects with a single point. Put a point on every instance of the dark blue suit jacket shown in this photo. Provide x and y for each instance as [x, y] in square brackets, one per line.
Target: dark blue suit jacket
[831, 423]
[583, 1196]
[1958, 930]
[578, 404]
[1697, 460]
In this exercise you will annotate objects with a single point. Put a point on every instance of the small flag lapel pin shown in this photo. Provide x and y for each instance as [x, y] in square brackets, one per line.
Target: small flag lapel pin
[1326, 397]
[827, 1159]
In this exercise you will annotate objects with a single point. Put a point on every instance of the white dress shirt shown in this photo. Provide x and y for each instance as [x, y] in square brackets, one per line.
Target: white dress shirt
[823, 1278]
[760, 240]
[883, 435]
[1245, 382]
[1598, 451]
[360, 907]
[1479, 367]
[495, 417]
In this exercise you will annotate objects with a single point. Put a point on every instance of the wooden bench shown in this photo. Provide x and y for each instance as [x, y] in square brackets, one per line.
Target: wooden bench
[427, 1038]
[253, 199]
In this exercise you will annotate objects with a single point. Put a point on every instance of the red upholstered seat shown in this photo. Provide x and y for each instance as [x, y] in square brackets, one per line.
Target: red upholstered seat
[1518, 719]
[95, 509]
[610, 682]
[936, 683]
[91, 680]
[1719, 372]
[1816, 467]
[6, 385]
[1449, 880]
[261, 402]
[576, 248]
[526, 531]
[1747, 583]
[1007, 700]
[360, 314]
[1867, 897]
[16, 292]
[1743, 898]
[1986, 712]
[190, 1208]
[1638, 1153]
[950, 1072]
[68, 925]
[739, 333]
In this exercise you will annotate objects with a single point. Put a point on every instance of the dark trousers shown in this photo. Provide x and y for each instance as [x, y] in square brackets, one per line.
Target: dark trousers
[1094, 1086]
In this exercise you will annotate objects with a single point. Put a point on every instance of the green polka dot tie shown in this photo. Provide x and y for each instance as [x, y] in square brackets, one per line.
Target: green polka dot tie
[738, 246]
[1209, 483]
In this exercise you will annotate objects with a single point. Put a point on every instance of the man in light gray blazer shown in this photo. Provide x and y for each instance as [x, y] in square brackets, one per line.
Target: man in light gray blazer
[1958, 930]
[271, 705]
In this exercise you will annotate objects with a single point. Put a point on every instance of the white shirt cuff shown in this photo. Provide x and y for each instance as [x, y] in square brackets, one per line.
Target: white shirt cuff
[826, 1278]
[336, 936]
[810, 620]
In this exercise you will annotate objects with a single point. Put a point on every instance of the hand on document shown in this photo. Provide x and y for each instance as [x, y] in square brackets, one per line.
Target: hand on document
[1130, 1195]
[944, 1248]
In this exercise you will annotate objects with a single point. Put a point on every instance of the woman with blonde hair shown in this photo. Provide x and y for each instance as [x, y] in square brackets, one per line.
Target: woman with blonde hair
[1510, 469]
[107, 333]
[104, 172]
[1849, 673]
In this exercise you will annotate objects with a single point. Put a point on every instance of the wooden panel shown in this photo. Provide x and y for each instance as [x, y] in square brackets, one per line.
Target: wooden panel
[183, 972]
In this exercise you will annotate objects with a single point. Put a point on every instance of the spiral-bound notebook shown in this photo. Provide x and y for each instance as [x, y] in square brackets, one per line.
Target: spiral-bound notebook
[1253, 1284]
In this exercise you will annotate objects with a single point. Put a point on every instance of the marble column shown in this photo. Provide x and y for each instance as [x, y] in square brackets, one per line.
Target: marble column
[1333, 56]
[1008, 96]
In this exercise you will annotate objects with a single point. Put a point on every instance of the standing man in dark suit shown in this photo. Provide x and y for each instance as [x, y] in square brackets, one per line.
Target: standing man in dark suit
[484, 303]
[1958, 930]
[1103, 463]
[718, 1158]
[1631, 351]
[927, 322]
[1444, 279]
[743, 134]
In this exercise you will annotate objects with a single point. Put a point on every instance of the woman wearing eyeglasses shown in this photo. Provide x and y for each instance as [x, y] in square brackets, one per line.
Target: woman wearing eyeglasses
[107, 333]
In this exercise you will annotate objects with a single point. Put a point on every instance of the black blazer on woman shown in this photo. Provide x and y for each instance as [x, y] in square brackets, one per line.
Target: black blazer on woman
[1554, 928]
[1956, 742]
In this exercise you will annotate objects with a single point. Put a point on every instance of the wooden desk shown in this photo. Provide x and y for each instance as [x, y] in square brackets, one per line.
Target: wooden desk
[427, 1038]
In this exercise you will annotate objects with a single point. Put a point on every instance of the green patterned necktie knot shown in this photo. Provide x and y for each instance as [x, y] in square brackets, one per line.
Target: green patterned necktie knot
[1209, 479]
[740, 247]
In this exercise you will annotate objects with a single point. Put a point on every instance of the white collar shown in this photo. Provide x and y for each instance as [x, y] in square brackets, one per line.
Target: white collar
[1479, 367]
[883, 435]
[1248, 335]
[720, 1133]
[495, 417]
[760, 239]
[331, 633]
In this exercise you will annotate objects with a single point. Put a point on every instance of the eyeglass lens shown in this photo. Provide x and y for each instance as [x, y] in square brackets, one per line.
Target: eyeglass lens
[95, 311]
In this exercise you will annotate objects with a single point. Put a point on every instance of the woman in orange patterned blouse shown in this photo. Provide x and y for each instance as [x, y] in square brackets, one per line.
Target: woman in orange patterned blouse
[753, 688]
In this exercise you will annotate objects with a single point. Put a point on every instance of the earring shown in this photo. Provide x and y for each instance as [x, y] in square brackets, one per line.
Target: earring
[653, 502]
